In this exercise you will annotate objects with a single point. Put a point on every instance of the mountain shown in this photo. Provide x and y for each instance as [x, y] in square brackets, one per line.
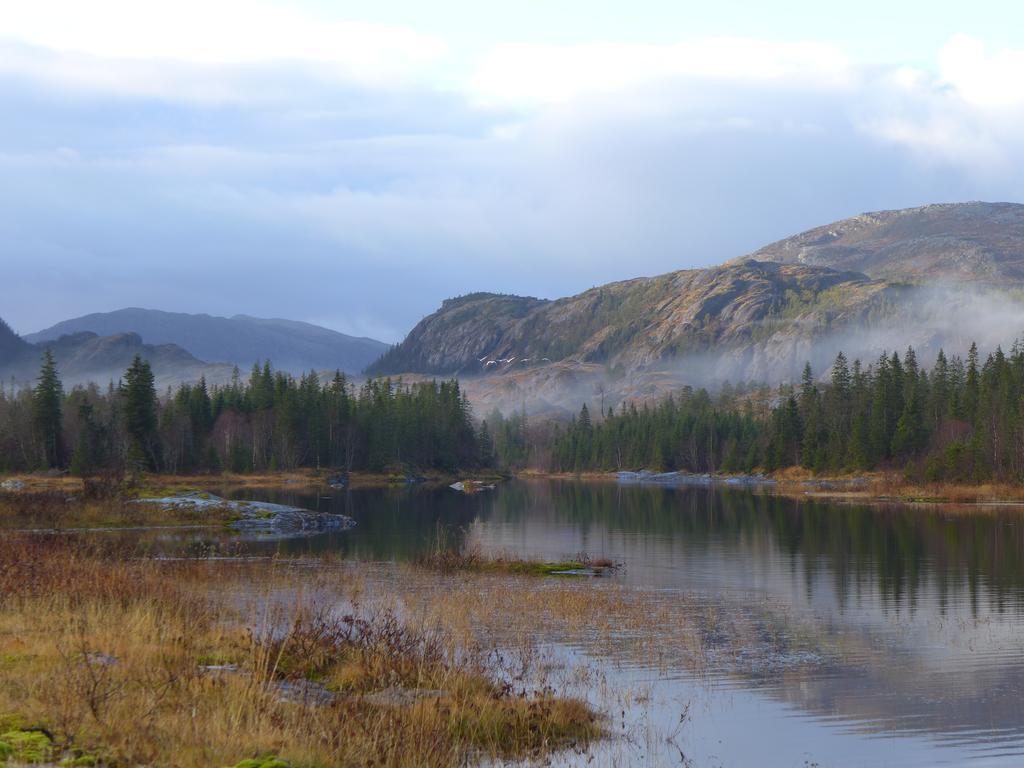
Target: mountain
[450, 340]
[12, 346]
[240, 340]
[974, 242]
[938, 276]
[86, 357]
[646, 323]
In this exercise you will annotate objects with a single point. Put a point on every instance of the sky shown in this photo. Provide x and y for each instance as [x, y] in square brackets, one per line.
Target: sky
[354, 164]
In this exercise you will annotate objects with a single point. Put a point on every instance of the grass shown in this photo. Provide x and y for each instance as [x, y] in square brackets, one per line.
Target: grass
[472, 559]
[57, 510]
[36, 505]
[103, 657]
[893, 487]
[159, 485]
[867, 487]
[439, 662]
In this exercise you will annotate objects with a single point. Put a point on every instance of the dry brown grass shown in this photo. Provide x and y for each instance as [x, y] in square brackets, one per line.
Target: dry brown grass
[57, 510]
[44, 482]
[106, 652]
[892, 487]
[300, 478]
[149, 484]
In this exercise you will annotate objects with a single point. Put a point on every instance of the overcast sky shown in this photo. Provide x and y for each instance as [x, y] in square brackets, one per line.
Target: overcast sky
[353, 164]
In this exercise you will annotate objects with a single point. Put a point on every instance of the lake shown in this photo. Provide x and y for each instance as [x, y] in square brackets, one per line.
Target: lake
[869, 635]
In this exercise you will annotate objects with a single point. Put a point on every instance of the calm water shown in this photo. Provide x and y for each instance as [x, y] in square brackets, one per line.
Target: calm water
[884, 636]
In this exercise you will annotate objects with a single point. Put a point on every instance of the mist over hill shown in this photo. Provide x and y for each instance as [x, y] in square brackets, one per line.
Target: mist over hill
[86, 357]
[240, 340]
[940, 276]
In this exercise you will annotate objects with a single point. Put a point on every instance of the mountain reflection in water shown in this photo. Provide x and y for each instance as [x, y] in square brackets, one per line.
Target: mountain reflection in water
[883, 635]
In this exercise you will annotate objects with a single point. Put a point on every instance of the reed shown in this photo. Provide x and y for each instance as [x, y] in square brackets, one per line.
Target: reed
[114, 659]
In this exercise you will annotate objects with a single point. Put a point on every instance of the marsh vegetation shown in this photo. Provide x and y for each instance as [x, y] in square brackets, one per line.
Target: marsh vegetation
[128, 660]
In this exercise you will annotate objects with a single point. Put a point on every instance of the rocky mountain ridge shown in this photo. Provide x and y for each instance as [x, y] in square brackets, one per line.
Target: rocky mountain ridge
[936, 276]
[949, 242]
[647, 323]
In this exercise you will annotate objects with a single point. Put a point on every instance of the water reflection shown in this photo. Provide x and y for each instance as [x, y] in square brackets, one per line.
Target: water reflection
[884, 621]
[898, 551]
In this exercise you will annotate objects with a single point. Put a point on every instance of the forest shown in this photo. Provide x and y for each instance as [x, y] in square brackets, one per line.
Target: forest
[962, 420]
[272, 421]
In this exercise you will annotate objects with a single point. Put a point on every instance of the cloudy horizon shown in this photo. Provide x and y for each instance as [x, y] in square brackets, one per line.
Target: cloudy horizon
[354, 166]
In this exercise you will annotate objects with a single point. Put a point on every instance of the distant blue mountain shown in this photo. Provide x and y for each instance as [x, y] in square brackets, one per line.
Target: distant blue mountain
[240, 340]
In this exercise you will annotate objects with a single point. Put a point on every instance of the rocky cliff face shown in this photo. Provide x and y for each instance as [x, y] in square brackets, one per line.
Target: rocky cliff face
[874, 282]
[976, 242]
[751, 314]
[450, 340]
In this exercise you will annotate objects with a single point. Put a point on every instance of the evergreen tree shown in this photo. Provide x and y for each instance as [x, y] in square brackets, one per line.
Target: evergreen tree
[140, 414]
[910, 433]
[47, 399]
[89, 455]
[486, 445]
[838, 414]
[969, 401]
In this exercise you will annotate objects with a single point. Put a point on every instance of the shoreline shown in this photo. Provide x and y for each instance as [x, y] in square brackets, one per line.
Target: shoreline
[868, 487]
[300, 478]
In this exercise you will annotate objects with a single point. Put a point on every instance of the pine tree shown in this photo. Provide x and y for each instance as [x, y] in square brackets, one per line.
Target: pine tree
[940, 406]
[486, 445]
[584, 420]
[47, 398]
[89, 455]
[140, 413]
[970, 398]
[838, 414]
[910, 432]
[881, 399]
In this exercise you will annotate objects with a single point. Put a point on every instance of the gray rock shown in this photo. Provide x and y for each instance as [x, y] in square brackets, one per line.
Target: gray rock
[682, 478]
[102, 659]
[260, 517]
[402, 697]
[305, 692]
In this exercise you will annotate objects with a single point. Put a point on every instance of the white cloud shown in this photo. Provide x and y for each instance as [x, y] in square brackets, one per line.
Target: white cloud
[142, 46]
[348, 194]
[967, 114]
[532, 74]
[981, 78]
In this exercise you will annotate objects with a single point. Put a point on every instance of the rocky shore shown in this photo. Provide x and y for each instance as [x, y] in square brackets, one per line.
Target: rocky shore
[258, 517]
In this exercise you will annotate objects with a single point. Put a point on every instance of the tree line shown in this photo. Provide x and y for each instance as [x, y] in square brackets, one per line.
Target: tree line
[961, 421]
[271, 421]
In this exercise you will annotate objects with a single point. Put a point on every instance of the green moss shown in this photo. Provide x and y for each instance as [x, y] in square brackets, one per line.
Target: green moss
[531, 568]
[218, 659]
[556, 569]
[26, 746]
[9, 722]
[263, 762]
[82, 761]
[14, 661]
